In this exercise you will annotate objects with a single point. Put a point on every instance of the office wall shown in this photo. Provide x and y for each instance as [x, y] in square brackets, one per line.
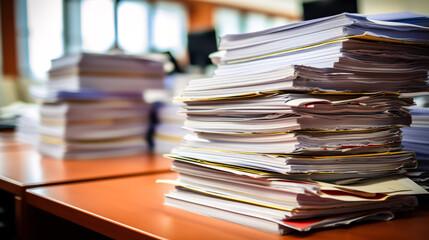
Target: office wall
[13, 89]
[385, 6]
[7, 91]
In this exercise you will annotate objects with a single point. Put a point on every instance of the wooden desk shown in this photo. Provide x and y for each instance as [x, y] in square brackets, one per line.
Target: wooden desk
[25, 168]
[132, 208]
[8, 142]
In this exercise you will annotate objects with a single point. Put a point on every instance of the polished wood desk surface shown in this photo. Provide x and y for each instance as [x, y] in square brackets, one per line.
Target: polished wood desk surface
[8, 142]
[132, 208]
[25, 167]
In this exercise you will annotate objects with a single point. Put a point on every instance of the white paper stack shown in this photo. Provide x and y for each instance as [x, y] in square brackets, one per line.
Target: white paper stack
[27, 126]
[105, 72]
[169, 128]
[77, 126]
[93, 106]
[299, 128]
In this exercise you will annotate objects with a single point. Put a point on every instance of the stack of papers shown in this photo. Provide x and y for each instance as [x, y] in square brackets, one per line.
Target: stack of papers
[105, 72]
[27, 126]
[282, 203]
[415, 138]
[80, 127]
[9, 114]
[169, 130]
[397, 27]
[299, 128]
[338, 53]
[93, 106]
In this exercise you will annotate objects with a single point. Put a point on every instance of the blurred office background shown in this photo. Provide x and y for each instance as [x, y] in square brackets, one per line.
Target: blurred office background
[35, 31]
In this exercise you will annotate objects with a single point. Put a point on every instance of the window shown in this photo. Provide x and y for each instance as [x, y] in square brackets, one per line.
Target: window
[169, 28]
[97, 25]
[56, 27]
[45, 41]
[227, 21]
[133, 31]
[278, 21]
[256, 22]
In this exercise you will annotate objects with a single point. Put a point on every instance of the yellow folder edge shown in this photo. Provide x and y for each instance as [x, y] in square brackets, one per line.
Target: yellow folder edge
[271, 93]
[167, 138]
[305, 156]
[171, 120]
[376, 129]
[248, 95]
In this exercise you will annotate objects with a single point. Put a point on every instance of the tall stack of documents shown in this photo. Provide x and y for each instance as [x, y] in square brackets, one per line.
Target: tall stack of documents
[94, 106]
[299, 128]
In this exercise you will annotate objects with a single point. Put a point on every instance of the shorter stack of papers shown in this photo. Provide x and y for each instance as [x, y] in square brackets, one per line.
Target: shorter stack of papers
[94, 108]
[76, 127]
[27, 126]
[169, 128]
[105, 72]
